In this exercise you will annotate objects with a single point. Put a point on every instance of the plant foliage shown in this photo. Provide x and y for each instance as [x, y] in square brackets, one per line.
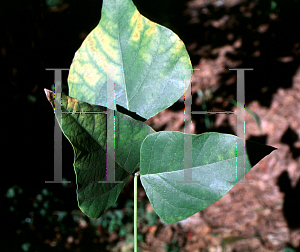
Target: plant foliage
[147, 64]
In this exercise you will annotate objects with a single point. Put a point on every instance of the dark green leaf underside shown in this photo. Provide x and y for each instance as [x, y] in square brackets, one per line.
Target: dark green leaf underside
[87, 132]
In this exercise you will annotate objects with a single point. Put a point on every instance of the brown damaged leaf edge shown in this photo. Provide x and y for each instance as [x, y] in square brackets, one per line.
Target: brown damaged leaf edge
[50, 95]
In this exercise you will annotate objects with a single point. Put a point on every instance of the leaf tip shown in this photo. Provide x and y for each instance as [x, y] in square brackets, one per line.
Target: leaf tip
[50, 95]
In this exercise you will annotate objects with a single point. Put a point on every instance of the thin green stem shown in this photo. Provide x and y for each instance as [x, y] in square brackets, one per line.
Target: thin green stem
[135, 211]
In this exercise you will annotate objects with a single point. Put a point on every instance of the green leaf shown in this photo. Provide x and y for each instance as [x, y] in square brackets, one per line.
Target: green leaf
[149, 62]
[87, 132]
[213, 165]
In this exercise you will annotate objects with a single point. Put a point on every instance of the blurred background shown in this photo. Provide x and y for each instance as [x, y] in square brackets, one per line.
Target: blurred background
[261, 215]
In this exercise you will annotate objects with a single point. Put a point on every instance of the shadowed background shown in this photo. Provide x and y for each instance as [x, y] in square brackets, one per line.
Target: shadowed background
[35, 35]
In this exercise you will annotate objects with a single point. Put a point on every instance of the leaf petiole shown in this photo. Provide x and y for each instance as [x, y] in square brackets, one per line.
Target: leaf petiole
[135, 211]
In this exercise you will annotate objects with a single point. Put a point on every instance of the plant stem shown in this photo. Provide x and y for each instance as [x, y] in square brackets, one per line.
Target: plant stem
[135, 211]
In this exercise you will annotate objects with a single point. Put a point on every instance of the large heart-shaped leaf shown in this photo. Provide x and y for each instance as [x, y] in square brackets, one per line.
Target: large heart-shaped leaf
[87, 132]
[147, 62]
[213, 165]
